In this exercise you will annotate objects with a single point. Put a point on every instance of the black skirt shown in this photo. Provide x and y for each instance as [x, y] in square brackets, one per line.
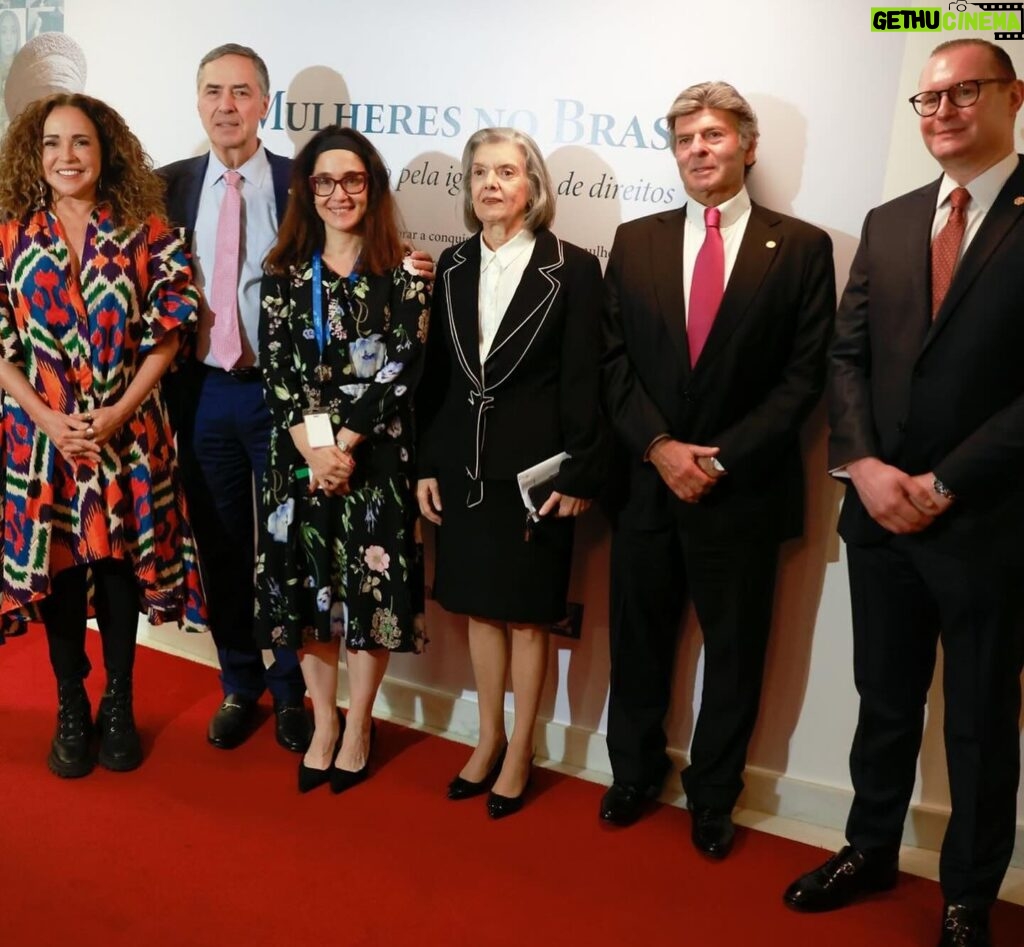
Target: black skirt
[485, 565]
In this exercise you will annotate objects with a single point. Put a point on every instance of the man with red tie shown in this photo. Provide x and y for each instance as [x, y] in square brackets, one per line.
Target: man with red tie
[926, 400]
[717, 321]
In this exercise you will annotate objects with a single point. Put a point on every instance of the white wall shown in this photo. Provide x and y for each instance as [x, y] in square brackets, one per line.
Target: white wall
[837, 138]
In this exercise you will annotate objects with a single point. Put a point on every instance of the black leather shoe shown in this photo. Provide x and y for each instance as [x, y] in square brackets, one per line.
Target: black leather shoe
[846, 876]
[965, 927]
[120, 746]
[232, 723]
[712, 831]
[460, 788]
[624, 803]
[342, 779]
[499, 806]
[71, 750]
[294, 726]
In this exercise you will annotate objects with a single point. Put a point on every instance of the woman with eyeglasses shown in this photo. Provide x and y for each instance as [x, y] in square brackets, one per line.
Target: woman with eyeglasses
[343, 327]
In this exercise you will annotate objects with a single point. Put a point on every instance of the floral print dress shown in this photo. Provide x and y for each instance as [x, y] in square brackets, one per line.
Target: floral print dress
[80, 339]
[349, 566]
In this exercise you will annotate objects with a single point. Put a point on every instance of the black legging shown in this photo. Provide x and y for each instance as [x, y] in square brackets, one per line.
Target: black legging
[117, 613]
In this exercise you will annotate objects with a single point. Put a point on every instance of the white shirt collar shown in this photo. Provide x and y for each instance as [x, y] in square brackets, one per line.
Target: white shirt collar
[985, 188]
[731, 210]
[507, 252]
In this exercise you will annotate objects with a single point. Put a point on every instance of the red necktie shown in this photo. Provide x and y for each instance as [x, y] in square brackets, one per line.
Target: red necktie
[707, 285]
[946, 246]
[225, 339]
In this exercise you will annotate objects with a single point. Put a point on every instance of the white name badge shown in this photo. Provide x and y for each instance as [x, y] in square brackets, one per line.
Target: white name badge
[319, 432]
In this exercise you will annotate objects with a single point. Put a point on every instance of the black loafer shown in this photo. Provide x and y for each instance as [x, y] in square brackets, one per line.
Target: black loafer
[232, 723]
[846, 876]
[712, 832]
[624, 803]
[294, 726]
[965, 927]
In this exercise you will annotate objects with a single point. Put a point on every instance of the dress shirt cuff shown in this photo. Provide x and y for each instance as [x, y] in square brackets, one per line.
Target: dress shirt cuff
[650, 447]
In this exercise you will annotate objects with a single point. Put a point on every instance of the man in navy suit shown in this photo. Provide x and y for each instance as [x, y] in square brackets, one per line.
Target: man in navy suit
[222, 422]
[926, 400]
[717, 321]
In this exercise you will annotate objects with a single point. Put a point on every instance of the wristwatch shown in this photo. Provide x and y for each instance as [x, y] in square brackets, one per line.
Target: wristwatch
[343, 445]
[942, 490]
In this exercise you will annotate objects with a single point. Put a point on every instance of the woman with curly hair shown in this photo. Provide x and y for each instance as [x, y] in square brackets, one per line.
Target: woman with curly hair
[95, 293]
[341, 340]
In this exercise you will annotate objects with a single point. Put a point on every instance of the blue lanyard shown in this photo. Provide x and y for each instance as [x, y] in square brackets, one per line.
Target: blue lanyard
[319, 326]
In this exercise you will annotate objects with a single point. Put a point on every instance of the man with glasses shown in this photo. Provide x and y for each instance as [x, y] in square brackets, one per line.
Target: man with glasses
[926, 400]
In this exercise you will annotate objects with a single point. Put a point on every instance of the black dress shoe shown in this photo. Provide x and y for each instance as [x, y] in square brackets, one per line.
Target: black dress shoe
[965, 927]
[232, 723]
[342, 779]
[712, 831]
[294, 726]
[460, 788]
[624, 803]
[846, 876]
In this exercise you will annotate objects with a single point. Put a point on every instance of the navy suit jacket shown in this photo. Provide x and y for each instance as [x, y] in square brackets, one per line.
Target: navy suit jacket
[185, 184]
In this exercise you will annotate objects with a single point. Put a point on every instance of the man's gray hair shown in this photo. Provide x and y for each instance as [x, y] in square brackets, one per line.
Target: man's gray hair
[235, 49]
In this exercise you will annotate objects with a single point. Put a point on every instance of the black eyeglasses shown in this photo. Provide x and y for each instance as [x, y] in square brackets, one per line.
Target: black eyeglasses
[323, 185]
[960, 95]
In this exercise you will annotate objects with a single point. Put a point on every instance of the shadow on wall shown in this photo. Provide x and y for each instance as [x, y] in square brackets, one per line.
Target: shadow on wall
[429, 196]
[317, 97]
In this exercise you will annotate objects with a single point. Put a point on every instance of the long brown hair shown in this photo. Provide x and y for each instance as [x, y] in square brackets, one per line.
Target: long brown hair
[127, 180]
[302, 230]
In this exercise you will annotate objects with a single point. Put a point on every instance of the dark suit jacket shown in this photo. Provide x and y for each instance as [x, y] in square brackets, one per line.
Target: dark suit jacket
[946, 396]
[185, 184]
[758, 376]
[537, 392]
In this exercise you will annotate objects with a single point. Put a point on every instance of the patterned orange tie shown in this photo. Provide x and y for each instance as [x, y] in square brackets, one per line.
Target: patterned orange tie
[946, 246]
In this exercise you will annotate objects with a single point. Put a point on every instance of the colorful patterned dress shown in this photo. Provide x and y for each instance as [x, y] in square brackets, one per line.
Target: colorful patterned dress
[80, 341]
[350, 566]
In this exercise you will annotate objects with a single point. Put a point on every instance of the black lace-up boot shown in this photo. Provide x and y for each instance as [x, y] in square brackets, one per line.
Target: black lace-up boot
[71, 750]
[120, 747]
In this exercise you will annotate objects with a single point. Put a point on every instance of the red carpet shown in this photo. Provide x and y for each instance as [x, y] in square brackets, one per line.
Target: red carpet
[205, 847]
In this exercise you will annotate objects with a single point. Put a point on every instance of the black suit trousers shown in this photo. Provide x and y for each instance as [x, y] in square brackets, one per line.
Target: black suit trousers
[907, 593]
[732, 585]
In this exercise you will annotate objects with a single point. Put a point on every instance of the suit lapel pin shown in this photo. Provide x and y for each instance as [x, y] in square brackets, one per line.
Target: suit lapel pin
[771, 244]
[1018, 201]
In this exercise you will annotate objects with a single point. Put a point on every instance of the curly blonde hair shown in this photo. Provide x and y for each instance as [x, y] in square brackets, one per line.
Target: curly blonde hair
[127, 180]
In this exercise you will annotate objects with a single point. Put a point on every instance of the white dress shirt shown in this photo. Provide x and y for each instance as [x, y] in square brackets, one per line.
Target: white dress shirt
[984, 190]
[500, 273]
[258, 234]
[733, 224]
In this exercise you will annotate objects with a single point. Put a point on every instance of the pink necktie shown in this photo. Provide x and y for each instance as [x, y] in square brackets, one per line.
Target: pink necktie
[946, 246]
[225, 340]
[707, 285]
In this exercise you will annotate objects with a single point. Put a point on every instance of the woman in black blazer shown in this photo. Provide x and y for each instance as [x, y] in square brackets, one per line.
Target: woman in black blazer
[511, 379]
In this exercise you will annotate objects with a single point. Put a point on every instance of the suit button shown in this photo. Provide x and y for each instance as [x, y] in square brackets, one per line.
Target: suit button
[687, 397]
[901, 427]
